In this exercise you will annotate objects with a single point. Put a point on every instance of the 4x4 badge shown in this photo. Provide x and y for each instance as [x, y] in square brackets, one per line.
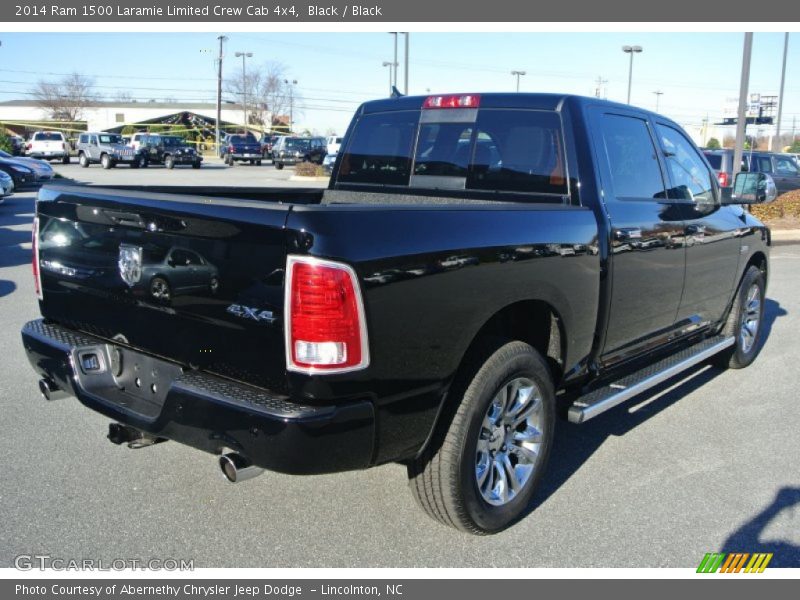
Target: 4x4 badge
[247, 312]
[130, 263]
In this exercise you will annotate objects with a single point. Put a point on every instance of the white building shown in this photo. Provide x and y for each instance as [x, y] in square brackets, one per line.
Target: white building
[113, 116]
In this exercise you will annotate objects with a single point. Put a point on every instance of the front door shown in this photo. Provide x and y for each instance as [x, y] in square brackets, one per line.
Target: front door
[713, 232]
[647, 259]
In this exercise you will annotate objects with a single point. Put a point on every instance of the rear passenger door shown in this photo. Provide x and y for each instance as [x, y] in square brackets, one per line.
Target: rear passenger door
[647, 255]
[786, 174]
[712, 231]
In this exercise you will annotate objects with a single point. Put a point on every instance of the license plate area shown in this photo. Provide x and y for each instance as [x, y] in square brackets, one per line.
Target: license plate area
[132, 381]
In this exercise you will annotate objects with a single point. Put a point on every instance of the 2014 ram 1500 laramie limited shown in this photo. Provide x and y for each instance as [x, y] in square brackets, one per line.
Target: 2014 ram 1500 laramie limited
[478, 265]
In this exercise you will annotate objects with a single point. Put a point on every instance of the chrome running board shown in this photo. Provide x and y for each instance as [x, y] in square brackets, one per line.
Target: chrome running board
[617, 392]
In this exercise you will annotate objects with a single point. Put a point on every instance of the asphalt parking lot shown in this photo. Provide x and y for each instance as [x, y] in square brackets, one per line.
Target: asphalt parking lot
[709, 463]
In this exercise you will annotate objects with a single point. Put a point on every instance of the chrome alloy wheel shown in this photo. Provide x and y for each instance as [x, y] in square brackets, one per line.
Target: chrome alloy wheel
[509, 442]
[159, 289]
[751, 319]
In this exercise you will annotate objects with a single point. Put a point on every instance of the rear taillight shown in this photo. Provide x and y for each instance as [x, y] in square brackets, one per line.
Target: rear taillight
[325, 327]
[230, 149]
[37, 281]
[724, 180]
[453, 101]
[29, 146]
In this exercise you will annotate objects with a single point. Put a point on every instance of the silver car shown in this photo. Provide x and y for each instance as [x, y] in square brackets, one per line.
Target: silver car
[6, 185]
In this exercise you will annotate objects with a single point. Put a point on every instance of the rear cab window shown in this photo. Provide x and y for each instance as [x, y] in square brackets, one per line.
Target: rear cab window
[48, 137]
[485, 150]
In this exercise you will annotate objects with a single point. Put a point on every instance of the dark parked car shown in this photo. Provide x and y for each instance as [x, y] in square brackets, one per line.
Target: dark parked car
[23, 175]
[241, 148]
[169, 150]
[783, 168]
[17, 145]
[41, 168]
[177, 271]
[478, 265]
[292, 150]
[6, 185]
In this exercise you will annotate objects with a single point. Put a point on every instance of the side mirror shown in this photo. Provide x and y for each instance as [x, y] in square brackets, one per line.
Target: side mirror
[753, 188]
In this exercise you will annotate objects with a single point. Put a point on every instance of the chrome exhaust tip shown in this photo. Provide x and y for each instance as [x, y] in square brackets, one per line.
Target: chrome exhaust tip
[236, 467]
[49, 390]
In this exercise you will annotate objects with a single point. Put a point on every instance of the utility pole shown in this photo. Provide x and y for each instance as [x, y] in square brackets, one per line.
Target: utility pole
[518, 74]
[598, 92]
[658, 94]
[780, 98]
[405, 71]
[222, 39]
[741, 119]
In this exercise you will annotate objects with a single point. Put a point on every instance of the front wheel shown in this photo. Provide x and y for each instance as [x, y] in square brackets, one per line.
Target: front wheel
[106, 161]
[479, 475]
[745, 322]
[160, 290]
[169, 162]
[279, 165]
[196, 165]
[65, 160]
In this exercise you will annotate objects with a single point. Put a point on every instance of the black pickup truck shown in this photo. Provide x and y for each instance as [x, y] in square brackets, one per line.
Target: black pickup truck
[478, 265]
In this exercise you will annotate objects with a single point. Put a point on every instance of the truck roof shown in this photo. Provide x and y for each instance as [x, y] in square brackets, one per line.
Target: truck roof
[534, 101]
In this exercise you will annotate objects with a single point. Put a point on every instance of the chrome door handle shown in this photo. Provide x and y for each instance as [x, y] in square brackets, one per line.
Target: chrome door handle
[625, 234]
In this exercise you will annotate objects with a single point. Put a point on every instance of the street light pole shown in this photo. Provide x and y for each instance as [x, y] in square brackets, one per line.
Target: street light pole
[222, 39]
[518, 74]
[741, 119]
[658, 94]
[780, 99]
[405, 71]
[394, 78]
[244, 55]
[386, 63]
[291, 85]
[631, 50]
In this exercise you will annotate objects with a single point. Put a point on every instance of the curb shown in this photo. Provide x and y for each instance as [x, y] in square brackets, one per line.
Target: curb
[783, 237]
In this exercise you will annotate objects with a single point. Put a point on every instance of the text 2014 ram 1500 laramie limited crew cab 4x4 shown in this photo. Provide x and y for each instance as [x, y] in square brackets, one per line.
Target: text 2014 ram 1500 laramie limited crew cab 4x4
[478, 264]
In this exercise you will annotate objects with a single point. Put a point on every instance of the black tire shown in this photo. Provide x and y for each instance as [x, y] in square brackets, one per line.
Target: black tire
[196, 165]
[83, 160]
[279, 165]
[106, 161]
[258, 163]
[169, 162]
[444, 480]
[252, 161]
[744, 352]
[65, 160]
[213, 285]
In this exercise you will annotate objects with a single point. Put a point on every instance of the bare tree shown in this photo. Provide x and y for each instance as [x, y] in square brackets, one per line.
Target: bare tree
[123, 97]
[266, 92]
[66, 99]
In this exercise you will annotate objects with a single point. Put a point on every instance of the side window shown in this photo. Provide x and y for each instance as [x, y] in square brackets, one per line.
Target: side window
[193, 258]
[786, 166]
[84, 139]
[93, 140]
[632, 158]
[691, 178]
[763, 164]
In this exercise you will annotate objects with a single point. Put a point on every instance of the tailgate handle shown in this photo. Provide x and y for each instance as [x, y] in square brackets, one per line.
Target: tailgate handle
[123, 218]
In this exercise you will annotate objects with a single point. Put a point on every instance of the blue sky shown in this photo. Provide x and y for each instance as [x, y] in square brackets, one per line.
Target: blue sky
[335, 71]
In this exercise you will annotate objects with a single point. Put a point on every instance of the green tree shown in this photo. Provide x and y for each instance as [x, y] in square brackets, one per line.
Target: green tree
[128, 130]
[795, 147]
[5, 142]
[713, 144]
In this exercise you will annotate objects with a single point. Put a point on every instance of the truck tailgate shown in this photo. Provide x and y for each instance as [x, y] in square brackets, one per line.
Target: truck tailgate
[192, 279]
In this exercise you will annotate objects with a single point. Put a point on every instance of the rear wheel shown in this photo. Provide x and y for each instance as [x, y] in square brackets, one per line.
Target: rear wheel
[279, 165]
[66, 160]
[258, 163]
[195, 165]
[159, 289]
[745, 322]
[479, 475]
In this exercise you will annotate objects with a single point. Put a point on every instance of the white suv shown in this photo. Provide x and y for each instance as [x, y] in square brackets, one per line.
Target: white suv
[48, 145]
[333, 142]
[138, 139]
